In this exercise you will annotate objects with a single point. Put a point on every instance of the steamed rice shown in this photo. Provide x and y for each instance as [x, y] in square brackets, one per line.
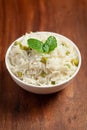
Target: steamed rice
[43, 69]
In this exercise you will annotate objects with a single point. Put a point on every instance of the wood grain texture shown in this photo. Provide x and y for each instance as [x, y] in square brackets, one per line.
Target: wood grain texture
[65, 110]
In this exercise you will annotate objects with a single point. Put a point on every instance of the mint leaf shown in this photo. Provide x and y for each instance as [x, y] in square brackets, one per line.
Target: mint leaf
[51, 42]
[45, 48]
[39, 46]
[35, 44]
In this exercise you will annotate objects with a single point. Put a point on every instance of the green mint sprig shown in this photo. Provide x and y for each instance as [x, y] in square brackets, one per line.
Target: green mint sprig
[37, 45]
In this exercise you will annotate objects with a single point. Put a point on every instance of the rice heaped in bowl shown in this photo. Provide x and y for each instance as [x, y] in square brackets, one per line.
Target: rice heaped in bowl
[46, 66]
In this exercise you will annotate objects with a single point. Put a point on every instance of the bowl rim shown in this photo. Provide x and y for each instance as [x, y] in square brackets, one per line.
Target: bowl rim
[44, 86]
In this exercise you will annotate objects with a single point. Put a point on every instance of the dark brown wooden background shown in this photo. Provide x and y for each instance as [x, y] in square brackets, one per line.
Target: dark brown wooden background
[65, 110]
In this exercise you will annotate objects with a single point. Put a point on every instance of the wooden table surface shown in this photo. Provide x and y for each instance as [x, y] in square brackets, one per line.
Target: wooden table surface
[65, 110]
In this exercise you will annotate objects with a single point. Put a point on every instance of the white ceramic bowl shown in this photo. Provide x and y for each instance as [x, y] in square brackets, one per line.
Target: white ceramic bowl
[44, 89]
